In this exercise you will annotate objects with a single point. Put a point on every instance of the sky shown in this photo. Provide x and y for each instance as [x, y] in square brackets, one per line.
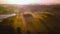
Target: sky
[24, 2]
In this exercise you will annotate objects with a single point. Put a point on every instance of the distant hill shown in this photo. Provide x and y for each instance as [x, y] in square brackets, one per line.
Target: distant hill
[34, 8]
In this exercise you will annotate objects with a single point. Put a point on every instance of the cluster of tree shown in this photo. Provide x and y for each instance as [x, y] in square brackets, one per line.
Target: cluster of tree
[6, 10]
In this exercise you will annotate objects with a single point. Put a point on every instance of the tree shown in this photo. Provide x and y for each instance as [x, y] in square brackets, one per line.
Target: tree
[6, 10]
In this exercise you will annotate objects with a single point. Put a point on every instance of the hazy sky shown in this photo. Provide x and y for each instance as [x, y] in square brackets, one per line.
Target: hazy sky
[29, 2]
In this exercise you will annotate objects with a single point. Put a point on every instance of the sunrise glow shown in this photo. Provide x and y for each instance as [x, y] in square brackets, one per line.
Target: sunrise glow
[22, 2]
[25, 2]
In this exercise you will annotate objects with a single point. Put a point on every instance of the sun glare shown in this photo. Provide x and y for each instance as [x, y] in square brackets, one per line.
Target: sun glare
[20, 1]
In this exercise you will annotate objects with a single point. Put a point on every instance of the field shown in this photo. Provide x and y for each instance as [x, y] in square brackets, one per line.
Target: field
[29, 19]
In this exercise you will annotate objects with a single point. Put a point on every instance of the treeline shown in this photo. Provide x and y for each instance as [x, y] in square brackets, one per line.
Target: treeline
[4, 9]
